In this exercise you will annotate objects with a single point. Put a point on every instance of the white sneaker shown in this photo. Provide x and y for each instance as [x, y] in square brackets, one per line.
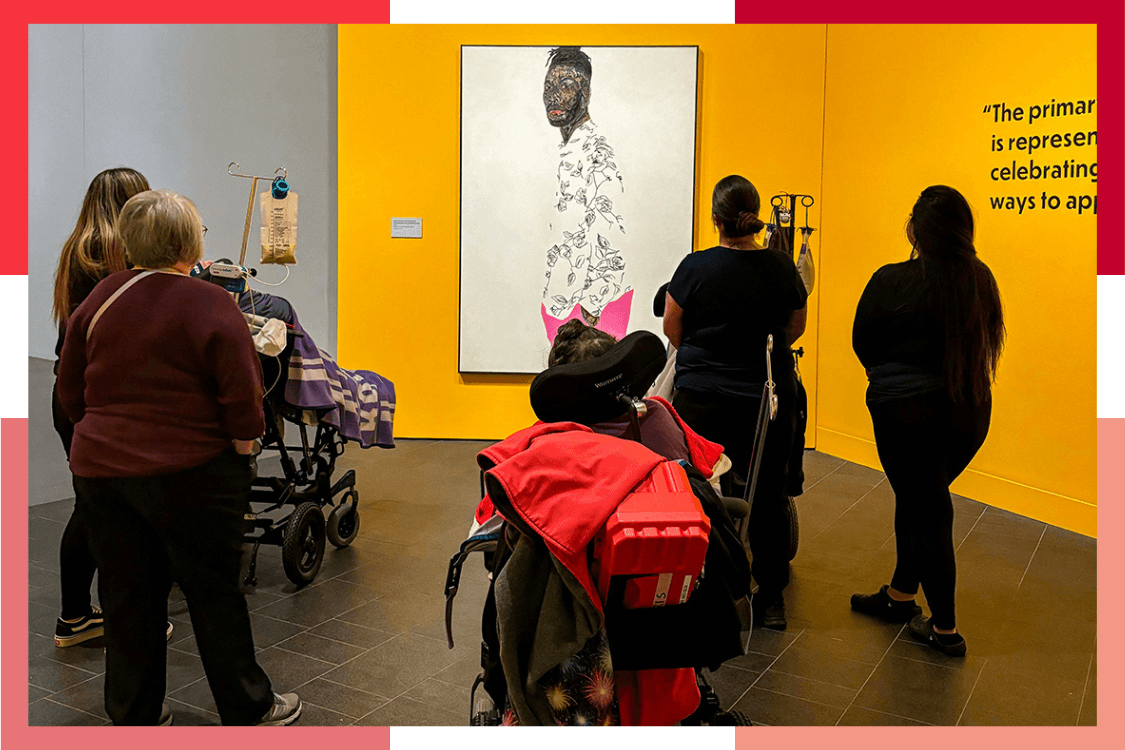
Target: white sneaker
[285, 710]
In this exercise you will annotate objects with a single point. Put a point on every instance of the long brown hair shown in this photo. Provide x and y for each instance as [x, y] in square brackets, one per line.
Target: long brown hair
[962, 288]
[93, 248]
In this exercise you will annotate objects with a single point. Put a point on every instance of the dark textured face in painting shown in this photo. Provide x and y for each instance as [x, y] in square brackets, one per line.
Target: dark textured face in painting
[566, 95]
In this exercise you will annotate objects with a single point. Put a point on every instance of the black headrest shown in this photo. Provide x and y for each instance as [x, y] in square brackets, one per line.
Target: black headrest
[586, 392]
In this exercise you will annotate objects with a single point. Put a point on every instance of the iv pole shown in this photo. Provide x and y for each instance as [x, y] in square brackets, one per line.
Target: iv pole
[250, 206]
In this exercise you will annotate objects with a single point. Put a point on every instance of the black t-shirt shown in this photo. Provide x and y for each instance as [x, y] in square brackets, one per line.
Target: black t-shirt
[895, 325]
[732, 300]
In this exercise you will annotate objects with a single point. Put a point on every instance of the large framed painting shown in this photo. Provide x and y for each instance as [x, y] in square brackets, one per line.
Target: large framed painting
[577, 193]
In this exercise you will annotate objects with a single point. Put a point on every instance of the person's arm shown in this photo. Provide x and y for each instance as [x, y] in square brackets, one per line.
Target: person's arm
[796, 326]
[236, 369]
[244, 447]
[865, 340]
[673, 321]
[70, 383]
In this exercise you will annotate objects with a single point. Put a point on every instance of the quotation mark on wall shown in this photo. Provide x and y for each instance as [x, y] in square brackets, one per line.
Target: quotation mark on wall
[987, 108]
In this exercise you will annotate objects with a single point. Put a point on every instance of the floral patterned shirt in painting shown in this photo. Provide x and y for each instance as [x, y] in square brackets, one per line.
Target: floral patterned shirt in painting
[586, 267]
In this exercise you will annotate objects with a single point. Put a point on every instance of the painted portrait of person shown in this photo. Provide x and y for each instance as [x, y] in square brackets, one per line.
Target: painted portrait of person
[586, 270]
[577, 192]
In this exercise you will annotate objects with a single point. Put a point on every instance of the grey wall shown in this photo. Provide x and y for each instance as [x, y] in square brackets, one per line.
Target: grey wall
[179, 103]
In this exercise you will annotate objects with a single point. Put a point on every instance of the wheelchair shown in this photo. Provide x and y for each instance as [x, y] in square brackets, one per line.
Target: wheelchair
[673, 637]
[320, 509]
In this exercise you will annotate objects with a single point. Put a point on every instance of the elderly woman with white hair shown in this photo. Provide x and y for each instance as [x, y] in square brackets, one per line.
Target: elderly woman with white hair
[159, 376]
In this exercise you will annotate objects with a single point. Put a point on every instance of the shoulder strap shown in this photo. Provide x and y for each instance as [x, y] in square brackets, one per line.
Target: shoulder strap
[113, 297]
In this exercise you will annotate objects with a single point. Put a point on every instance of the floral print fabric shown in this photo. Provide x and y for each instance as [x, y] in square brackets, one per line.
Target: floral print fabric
[586, 267]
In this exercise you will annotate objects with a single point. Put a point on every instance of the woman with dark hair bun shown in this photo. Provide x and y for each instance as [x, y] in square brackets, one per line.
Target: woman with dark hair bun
[929, 331]
[721, 305]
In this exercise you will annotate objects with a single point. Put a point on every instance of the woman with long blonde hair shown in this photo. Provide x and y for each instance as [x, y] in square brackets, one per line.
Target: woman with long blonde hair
[92, 252]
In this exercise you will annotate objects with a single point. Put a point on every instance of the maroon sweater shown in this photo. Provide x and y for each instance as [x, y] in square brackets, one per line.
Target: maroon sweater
[168, 378]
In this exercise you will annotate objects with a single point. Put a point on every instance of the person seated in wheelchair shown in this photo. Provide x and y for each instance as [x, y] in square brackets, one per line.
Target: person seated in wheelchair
[251, 301]
[358, 403]
[661, 429]
[566, 460]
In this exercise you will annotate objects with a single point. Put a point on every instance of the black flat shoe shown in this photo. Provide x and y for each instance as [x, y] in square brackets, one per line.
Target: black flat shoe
[881, 605]
[950, 644]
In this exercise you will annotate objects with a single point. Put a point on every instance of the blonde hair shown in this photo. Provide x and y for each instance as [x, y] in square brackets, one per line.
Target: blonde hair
[160, 229]
[93, 248]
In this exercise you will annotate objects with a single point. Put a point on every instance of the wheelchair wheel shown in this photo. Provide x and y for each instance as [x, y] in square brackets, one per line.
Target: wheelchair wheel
[794, 527]
[343, 521]
[302, 548]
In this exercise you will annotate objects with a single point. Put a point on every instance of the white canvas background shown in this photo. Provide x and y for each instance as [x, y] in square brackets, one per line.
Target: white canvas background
[643, 100]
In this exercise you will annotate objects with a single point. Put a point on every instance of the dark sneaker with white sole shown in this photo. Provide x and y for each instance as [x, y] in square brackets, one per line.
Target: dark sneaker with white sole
[71, 633]
[285, 710]
[881, 605]
[950, 644]
[165, 716]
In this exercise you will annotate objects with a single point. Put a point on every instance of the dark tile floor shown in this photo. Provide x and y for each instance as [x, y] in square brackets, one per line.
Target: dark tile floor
[364, 644]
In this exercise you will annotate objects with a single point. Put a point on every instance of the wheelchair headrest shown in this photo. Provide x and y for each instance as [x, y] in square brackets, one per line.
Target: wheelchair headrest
[586, 392]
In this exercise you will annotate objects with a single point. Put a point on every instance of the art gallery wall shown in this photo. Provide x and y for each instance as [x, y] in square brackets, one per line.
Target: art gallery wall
[890, 109]
[399, 125]
[903, 112]
[178, 103]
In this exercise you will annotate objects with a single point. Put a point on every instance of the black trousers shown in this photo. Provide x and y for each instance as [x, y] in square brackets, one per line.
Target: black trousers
[924, 443]
[148, 531]
[731, 422]
[76, 562]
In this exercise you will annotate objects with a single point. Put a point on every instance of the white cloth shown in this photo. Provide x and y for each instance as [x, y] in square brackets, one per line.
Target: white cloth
[270, 338]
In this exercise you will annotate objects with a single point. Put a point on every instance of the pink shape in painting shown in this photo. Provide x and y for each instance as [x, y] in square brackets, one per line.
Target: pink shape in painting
[614, 319]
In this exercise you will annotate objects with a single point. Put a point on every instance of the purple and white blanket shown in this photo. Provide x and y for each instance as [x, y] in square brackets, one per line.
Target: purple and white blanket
[358, 403]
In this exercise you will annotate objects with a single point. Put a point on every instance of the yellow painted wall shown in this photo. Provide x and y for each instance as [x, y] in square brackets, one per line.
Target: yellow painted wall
[760, 112]
[904, 109]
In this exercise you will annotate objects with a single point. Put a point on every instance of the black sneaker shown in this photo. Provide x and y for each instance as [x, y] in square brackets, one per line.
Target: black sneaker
[770, 612]
[285, 710]
[84, 629]
[881, 605]
[950, 644]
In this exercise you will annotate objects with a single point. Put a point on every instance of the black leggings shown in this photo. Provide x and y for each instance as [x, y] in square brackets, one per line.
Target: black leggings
[731, 422]
[76, 563]
[924, 443]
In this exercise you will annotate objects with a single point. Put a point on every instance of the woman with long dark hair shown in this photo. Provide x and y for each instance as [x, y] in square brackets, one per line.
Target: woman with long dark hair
[721, 306]
[929, 331]
[92, 252]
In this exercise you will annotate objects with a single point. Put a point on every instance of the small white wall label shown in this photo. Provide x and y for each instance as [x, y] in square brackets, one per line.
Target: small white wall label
[406, 228]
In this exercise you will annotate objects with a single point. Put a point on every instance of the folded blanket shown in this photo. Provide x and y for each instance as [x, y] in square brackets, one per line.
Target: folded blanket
[358, 403]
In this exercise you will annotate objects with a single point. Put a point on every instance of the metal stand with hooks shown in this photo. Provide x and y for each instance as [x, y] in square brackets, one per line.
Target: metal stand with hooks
[784, 218]
[250, 205]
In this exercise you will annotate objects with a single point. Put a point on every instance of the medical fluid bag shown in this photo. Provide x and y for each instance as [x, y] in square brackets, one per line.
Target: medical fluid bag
[656, 541]
[279, 224]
